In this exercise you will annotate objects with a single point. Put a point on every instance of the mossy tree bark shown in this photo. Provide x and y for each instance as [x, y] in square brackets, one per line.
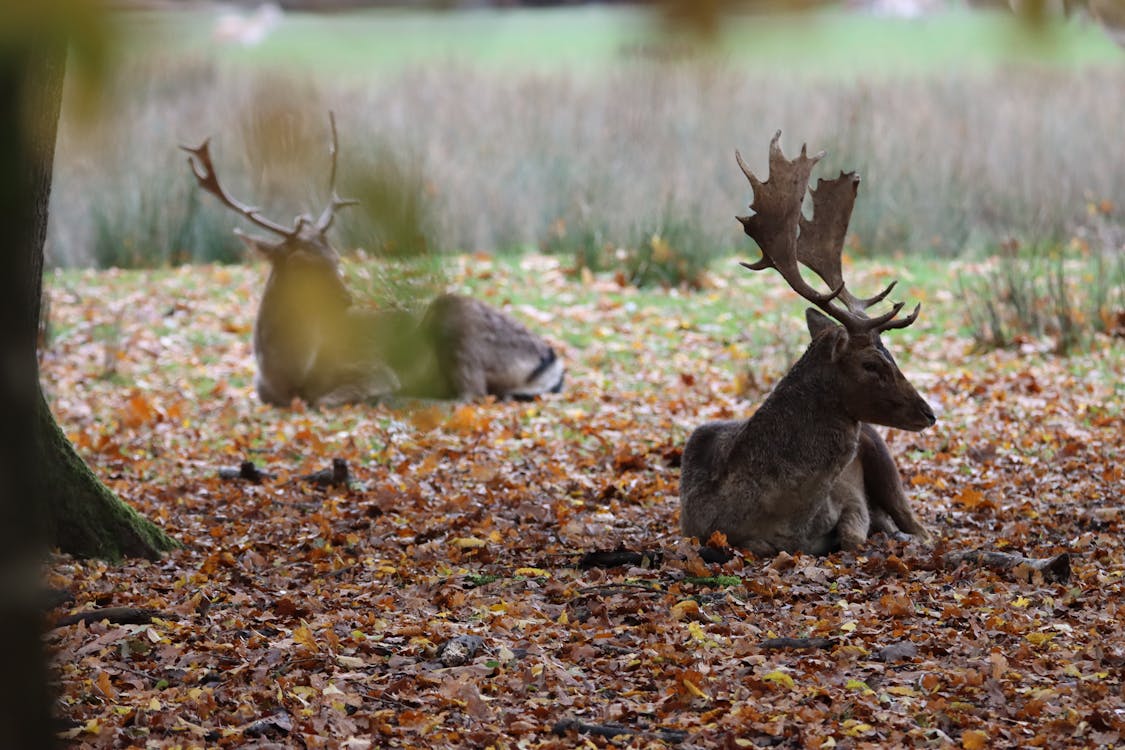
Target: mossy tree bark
[86, 518]
[68, 505]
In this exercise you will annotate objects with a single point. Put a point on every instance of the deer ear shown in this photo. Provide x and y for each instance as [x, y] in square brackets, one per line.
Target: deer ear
[818, 322]
[267, 249]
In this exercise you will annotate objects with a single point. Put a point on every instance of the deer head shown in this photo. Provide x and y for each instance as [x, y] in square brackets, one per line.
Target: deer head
[872, 387]
[304, 245]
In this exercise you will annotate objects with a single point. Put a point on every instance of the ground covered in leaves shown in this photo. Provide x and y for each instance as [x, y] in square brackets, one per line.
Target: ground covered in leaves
[445, 597]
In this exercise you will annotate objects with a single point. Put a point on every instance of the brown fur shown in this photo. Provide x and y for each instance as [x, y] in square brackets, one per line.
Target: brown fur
[807, 472]
[790, 477]
[312, 342]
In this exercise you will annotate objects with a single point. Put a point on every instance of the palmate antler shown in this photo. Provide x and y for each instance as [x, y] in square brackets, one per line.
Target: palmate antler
[787, 239]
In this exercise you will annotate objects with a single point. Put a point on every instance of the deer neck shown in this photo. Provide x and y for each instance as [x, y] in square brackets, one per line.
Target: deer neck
[807, 413]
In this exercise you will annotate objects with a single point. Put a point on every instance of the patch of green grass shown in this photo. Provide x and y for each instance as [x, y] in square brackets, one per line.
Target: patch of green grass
[830, 42]
[476, 580]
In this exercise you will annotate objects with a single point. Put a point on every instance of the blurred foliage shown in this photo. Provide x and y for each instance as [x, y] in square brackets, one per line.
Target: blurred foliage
[85, 25]
[673, 253]
[1061, 291]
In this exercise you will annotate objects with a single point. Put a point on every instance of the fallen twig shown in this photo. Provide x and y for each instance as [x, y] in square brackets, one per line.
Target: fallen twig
[1025, 568]
[117, 615]
[617, 557]
[797, 643]
[609, 731]
[246, 471]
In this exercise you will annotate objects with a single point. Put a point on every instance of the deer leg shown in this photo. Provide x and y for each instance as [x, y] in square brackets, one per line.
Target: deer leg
[358, 383]
[268, 394]
[849, 497]
[882, 522]
[882, 483]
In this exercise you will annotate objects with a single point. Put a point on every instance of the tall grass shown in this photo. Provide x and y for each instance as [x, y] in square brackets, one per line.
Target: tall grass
[489, 161]
[1062, 292]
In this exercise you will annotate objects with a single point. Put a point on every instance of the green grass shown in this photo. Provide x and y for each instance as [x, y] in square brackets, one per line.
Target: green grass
[827, 42]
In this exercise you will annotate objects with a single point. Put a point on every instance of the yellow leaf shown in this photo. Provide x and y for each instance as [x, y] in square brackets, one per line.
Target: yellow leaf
[848, 626]
[154, 704]
[974, 739]
[694, 689]
[532, 572]
[1021, 602]
[1038, 639]
[779, 677]
[93, 726]
[859, 685]
[303, 636]
[697, 633]
[683, 610]
[468, 542]
[902, 690]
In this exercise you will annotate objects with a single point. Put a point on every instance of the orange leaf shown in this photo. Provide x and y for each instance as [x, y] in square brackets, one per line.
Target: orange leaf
[974, 739]
[105, 686]
[717, 539]
[138, 411]
[970, 498]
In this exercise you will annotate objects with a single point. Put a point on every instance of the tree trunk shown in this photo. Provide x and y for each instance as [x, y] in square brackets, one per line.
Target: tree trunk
[85, 518]
[25, 702]
[77, 513]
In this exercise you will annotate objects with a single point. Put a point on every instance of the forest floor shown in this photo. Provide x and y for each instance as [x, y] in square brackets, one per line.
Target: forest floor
[440, 599]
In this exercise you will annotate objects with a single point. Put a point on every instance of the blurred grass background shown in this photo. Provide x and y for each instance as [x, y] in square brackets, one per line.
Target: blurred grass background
[587, 131]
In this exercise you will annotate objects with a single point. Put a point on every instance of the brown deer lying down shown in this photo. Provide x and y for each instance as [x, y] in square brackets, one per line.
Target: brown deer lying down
[807, 472]
[313, 342]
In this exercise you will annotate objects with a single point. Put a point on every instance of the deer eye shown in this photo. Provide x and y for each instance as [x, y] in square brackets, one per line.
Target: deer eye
[871, 367]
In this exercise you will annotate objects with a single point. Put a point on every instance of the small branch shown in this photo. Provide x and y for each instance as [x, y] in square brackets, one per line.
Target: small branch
[609, 731]
[617, 588]
[1056, 569]
[117, 615]
[337, 476]
[797, 643]
[716, 555]
[247, 471]
[619, 557]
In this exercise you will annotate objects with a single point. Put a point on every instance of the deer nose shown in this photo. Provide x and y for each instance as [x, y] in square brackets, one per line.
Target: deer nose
[928, 413]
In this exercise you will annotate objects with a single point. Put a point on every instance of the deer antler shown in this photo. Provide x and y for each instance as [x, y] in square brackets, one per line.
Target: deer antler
[335, 201]
[788, 239]
[204, 170]
[199, 159]
[821, 241]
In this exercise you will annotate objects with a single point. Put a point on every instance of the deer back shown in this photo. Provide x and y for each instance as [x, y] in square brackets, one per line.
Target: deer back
[478, 350]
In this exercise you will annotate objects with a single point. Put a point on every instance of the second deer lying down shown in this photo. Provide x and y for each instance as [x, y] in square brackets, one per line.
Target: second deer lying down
[807, 472]
[313, 342]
